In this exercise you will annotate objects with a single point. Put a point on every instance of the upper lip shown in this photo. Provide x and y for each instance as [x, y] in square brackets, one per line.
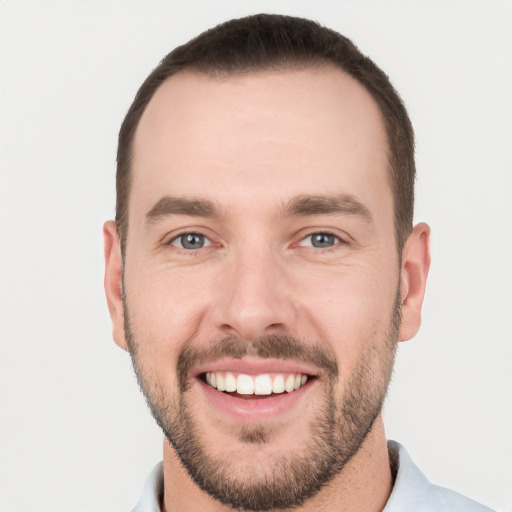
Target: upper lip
[255, 366]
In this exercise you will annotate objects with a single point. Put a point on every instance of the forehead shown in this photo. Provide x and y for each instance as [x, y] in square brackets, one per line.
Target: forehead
[269, 133]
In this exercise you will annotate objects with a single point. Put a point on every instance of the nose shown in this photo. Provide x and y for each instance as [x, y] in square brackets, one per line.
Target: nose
[254, 297]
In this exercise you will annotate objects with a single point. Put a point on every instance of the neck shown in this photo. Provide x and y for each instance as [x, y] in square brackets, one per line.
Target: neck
[365, 482]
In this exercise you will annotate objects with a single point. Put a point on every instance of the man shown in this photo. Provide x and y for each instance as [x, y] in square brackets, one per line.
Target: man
[262, 268]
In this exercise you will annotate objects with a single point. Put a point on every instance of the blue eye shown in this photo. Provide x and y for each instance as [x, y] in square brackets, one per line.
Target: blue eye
[191, 241]
[322, 240]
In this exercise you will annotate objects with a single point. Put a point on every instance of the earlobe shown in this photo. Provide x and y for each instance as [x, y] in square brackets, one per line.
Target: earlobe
[114, 281]
[414, 272]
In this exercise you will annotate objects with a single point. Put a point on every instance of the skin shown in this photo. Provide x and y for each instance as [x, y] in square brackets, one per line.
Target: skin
[221, 140]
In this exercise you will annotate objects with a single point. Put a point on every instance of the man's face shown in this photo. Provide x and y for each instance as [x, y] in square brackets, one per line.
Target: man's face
[261, 252]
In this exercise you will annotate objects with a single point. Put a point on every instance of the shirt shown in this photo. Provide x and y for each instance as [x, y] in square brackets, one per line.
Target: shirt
[412, 491]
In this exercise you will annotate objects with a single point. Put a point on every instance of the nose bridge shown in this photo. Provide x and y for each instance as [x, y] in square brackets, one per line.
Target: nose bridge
[255, 299]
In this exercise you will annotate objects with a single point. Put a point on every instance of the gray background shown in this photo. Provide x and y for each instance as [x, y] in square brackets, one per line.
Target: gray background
[74, 430]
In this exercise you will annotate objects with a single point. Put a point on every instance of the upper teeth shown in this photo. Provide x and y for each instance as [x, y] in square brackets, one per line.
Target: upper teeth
[255, 384]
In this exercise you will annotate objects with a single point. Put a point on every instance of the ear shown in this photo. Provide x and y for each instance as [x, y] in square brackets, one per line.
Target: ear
[413, 279]
[114, 281]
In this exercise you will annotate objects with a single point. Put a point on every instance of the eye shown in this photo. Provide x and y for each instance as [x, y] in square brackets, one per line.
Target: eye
[321, 240]
[190, 241]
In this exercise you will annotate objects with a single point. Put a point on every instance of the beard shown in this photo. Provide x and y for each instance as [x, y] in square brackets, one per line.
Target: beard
[335, 434]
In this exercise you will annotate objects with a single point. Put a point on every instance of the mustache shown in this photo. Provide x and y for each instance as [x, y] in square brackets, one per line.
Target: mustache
[273, 346]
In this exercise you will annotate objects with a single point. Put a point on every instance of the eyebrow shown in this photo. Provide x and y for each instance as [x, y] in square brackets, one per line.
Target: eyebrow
[169, 205]
[299, 206]
[343, 204]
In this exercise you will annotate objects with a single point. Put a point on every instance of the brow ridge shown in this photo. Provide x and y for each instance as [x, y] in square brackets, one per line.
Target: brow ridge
[302, 205]
[343, 204]
[170, 205]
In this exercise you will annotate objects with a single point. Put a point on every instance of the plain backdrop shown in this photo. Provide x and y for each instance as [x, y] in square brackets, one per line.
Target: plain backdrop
[75, 433]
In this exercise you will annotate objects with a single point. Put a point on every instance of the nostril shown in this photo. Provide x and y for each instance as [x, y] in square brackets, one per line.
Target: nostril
[275, 327]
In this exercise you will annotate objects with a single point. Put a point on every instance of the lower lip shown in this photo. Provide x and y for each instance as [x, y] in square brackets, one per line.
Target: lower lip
[254, 408]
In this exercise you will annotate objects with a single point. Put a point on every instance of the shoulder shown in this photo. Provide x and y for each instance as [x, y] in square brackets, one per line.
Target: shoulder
[413, 491]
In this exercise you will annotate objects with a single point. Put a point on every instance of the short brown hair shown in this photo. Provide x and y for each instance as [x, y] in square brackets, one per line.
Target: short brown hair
[267, 41]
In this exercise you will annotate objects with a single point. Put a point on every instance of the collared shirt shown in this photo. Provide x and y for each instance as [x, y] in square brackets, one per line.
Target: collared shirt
[412, 491]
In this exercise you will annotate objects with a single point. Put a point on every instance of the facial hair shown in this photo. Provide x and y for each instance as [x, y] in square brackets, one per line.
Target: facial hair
[336, 433]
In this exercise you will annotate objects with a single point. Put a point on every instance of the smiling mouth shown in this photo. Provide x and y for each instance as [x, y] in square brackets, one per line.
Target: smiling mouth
[255, 386]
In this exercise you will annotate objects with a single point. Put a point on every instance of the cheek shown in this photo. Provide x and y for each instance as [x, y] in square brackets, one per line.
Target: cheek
[167, 306]
[349, 310]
